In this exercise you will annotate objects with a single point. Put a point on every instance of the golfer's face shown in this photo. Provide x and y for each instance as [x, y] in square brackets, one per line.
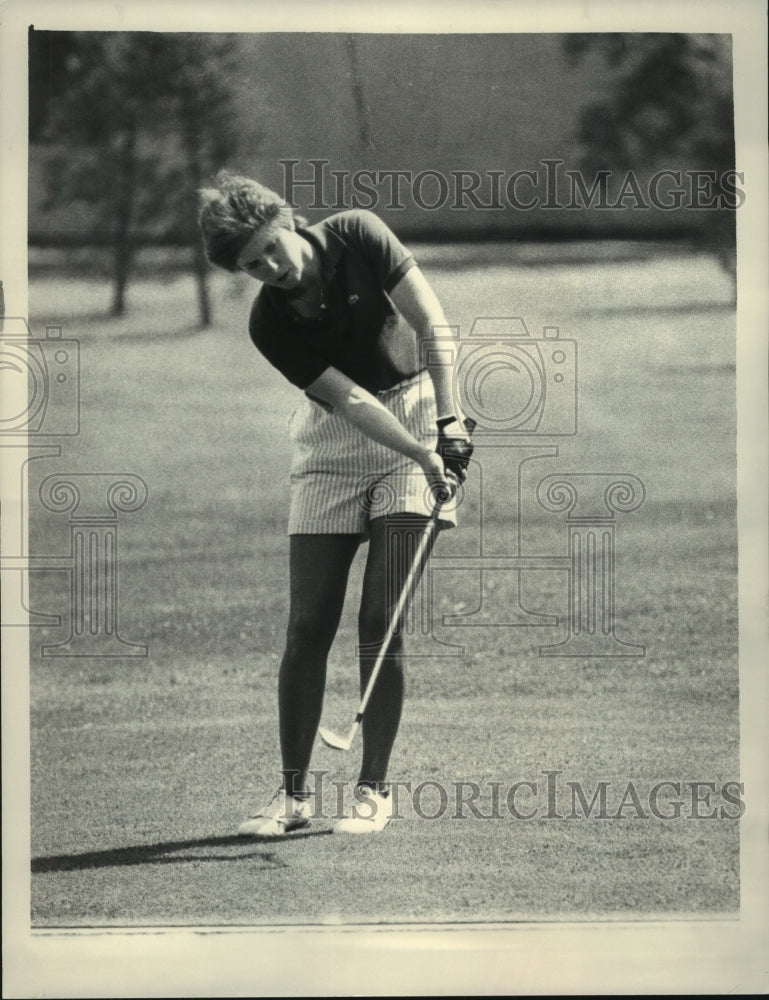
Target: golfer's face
[274, 256]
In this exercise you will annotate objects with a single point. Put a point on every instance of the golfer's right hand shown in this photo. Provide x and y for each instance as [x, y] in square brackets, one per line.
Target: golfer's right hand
[443, 484]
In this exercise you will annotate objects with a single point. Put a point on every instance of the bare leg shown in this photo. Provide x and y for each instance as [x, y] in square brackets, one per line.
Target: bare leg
[391, 548]
[319, 567]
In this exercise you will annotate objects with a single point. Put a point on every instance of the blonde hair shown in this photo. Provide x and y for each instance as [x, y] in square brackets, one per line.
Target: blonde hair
[233, 211]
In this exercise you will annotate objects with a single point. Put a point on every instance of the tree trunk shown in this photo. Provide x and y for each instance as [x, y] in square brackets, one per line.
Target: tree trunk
[200, 267]
[126, 195]
[121, 266]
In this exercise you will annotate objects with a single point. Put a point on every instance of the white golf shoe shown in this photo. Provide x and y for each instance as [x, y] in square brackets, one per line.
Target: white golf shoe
[371, 814]
[282, 815]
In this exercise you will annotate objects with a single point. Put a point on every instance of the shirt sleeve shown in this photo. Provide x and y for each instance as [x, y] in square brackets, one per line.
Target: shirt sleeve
[386, 255]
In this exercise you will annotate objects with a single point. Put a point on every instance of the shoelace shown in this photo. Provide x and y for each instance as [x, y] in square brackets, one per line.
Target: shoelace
[274, 809]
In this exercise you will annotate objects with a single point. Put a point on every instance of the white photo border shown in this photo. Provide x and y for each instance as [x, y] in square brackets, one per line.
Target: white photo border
[653, 956]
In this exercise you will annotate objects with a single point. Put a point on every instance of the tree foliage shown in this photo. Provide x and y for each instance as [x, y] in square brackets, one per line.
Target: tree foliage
[669, 101]
[142, 118]
[671, 95]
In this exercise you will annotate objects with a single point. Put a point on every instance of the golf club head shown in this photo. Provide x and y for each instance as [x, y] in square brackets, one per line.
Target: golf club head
[332, 740]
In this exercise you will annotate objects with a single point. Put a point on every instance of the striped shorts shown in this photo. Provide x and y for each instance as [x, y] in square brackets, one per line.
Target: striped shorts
[341, 479]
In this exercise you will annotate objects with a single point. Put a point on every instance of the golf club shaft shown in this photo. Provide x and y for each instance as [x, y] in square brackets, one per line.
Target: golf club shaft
[422, 553]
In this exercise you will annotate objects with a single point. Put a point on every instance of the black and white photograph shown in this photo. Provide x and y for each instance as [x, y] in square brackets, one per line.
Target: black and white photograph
[384, 499]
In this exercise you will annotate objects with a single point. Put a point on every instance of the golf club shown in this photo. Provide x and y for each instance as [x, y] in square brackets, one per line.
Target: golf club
[420, 558]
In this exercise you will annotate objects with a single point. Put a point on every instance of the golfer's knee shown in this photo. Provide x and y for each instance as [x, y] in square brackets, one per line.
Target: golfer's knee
[372, 630]
[308, 636]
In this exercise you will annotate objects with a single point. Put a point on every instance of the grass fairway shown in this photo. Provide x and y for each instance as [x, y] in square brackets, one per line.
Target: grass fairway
[143, 767]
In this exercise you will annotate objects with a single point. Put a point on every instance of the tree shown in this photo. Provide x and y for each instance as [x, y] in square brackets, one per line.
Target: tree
[142, 118]
[197, 69]
[670, 97]
[49, 52]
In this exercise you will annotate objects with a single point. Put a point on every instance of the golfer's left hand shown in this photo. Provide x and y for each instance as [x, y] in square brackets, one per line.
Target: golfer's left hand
[443, 483]
[454, 445]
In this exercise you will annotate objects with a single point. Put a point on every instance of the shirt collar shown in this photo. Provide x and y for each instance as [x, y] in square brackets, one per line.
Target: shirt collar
[330, 244]
[331, 247]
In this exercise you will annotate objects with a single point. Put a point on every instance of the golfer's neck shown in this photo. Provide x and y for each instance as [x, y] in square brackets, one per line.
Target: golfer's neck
[312, 260]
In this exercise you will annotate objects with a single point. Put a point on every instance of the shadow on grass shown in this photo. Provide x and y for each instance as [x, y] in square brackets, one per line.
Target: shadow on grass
[178, 333]
[98, 324]
[157, 854]
[659, 309]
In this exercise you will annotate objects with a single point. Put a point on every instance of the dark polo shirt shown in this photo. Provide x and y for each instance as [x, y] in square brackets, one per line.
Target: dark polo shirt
[359, 331]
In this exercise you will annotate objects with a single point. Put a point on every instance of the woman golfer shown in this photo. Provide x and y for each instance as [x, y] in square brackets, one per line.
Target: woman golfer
[346, 315]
